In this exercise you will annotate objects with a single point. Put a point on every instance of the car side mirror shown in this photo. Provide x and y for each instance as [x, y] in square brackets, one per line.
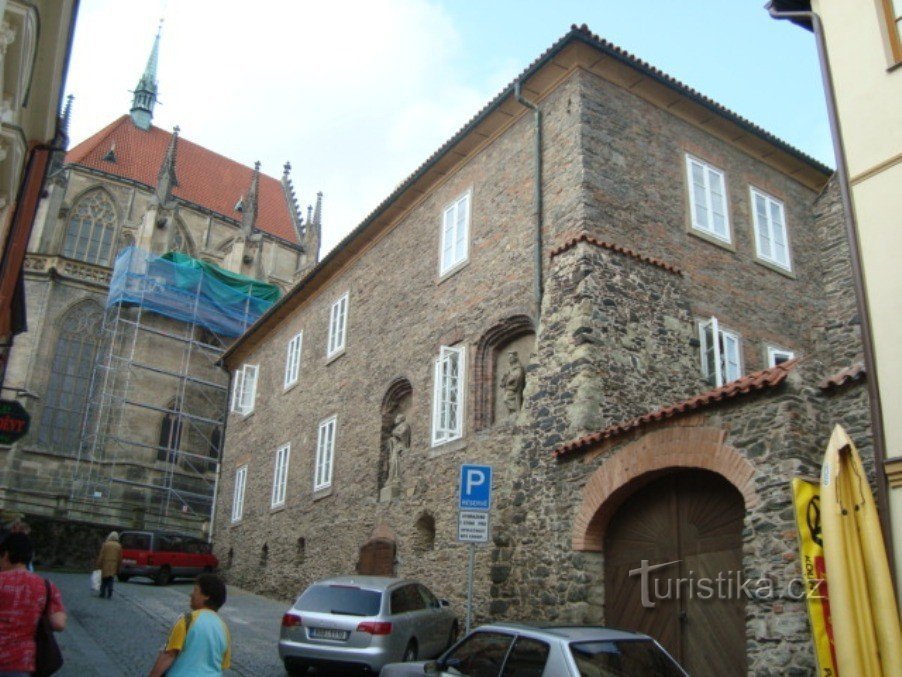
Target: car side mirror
[444, 603]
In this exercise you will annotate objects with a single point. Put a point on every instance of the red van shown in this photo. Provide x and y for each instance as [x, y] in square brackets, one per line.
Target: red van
[163, 557]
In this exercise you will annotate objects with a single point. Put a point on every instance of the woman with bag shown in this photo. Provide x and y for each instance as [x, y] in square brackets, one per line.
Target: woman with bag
[28, 605]
[109, 559]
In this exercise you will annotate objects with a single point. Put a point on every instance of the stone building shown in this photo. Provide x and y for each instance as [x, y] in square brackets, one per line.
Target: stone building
[645, 330]
[126, 397]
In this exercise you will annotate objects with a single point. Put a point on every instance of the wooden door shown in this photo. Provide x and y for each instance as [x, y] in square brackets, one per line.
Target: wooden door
[377, 558]
[692, 522]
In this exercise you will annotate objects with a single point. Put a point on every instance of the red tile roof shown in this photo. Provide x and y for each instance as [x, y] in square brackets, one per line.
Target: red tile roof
[841, 378]
[570, 244]
[205, 178]
[759, 380]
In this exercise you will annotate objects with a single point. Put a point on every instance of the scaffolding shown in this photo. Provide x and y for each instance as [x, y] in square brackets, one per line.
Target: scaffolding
[153, 425]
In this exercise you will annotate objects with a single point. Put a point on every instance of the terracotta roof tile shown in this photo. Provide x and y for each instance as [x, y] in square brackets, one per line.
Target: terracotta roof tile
[570, 244]
[205, 178]
[759, 380]
[854, 373]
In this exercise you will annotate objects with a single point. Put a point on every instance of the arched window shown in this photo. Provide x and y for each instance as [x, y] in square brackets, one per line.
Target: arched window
[181, 241]
[170, 433]
[89, 235]
[70, 378]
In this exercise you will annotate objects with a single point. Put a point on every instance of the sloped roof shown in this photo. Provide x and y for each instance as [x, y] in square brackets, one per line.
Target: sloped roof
[856, 372]
[205, 178]
[750, 383]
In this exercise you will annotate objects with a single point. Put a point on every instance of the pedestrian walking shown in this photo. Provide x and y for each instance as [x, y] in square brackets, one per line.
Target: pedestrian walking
[24, 598]
[199, 643]
[108, 561]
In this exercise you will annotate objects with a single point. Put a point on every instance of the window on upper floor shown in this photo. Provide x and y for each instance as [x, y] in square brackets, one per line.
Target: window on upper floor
[720, 353]
[892, 11]
[338, 322]
[238, 493]
[455, 234]
[244, 390]
[448, 395]
[707, 199]
[325, 454]
[777, 356]
[293, 359]
[770, 229]
[280, 476]
[89, 232]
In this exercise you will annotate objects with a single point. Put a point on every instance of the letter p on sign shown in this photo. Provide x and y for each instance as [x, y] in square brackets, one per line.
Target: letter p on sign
[475, 487]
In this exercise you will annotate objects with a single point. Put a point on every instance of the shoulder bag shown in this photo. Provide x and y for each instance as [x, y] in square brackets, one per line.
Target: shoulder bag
[48, 657]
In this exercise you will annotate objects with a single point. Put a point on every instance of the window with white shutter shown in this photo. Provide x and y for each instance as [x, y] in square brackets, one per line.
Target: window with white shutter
[720, 352]
[708, 199]
[325, 454]
[238, 493]
[293, 359]
[338, 319]
[244, 389]
[777, 356]
[770, 229]
[280, 476]
[455, 234]
[448, 395]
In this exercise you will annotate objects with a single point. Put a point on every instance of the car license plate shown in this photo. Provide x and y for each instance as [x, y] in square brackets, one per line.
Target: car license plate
[129, 561]
[328, 633]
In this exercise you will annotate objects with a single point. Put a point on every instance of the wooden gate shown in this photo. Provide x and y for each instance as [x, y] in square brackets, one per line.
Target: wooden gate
[691, 522]
[377, 558]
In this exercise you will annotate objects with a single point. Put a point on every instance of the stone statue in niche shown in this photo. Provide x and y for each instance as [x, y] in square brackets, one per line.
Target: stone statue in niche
[398, 444]
[511, 383]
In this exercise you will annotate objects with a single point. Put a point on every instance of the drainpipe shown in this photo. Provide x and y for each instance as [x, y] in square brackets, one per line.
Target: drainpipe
[537, 203]
[842, 176]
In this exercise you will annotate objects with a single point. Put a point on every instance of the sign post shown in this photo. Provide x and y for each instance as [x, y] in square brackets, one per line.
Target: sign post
[473, 518]
[14, 421]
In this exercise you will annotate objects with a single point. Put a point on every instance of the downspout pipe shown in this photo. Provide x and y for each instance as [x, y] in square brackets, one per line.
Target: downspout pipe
[842, 176]
[537, 201]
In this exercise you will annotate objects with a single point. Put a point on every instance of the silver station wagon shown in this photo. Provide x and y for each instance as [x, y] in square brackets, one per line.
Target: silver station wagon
[364, 622]
[519, 650]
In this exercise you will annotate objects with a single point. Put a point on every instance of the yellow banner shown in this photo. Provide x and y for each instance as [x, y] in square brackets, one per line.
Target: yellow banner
[806, 499]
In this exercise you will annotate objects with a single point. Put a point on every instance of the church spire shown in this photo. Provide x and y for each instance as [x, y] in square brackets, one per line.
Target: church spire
[145, 94]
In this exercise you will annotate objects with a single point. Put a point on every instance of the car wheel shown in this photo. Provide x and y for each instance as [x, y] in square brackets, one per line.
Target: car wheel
[452, 634]
[410, 653]
[123, 578]
[294, 667]
[163, 577]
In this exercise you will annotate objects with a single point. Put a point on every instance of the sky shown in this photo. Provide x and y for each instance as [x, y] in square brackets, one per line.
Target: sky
[356, 94]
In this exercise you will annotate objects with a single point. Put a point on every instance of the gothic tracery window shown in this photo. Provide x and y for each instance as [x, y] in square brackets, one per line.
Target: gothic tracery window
[70, 378]
[89, 234]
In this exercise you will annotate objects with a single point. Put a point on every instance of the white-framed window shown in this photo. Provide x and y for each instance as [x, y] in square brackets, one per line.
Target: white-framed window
[770, 229]
[325, 454]
[708, 199]
[238, 493]
[338, 322]
[293, 359]
[777, 356]
[280, 475]
[455, 233]
[244, 389]
[448, 395]
[720, 352]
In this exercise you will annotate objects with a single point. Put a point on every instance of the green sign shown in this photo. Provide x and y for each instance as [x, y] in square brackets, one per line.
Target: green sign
[14, 421]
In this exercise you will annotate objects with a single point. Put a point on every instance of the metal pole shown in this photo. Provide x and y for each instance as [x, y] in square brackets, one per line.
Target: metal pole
[471, 559]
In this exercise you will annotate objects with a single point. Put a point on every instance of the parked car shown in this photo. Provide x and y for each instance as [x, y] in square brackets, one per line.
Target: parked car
[364, 622]
[164, 557]
[516, 650]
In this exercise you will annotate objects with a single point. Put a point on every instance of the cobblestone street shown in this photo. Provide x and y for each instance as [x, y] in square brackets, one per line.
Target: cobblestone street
[122, 636]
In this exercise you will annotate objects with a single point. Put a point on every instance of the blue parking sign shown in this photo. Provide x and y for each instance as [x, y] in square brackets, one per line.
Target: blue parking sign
[475, 487]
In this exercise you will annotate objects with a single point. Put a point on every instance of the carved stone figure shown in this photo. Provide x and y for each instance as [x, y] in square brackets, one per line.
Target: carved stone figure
[398, 444]
[512, 383]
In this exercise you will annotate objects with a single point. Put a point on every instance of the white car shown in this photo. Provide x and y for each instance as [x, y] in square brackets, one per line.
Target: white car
[515, 650]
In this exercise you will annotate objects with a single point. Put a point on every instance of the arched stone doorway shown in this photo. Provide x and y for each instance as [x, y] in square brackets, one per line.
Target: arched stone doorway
[673, 559]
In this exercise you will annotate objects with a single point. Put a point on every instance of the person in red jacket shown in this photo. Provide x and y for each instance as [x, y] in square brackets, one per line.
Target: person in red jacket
[23, 597]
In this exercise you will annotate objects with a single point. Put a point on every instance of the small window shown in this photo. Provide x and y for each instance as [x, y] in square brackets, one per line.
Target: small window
[777, 356]
[293, 359]
[455, 234]
[338, 318]
[721, 360]
[770, 229]
[448, 396]
[280, 476]
[238, 494]
[892, 10]
[244, 391]
[708, 199]
[527, 658]
[325, 453]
